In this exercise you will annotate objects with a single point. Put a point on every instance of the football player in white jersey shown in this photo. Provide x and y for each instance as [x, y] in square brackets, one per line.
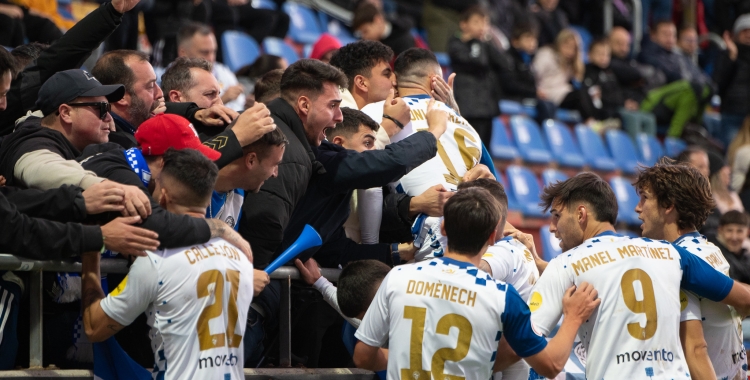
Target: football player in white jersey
[443, 318]
[196, 298]
[634, 334]
[674, 200]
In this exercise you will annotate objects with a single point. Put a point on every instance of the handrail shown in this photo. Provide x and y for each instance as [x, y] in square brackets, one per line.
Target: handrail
[36, 267]
[637, 26]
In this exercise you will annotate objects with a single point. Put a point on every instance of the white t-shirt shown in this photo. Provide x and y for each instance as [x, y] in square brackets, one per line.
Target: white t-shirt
[444, 316]
[196, 300]
[634, 333]
[511, 262]
[226, 79]
[722, 326]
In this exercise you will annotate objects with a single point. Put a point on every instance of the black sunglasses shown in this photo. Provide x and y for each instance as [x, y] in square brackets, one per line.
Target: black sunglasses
[104, 107]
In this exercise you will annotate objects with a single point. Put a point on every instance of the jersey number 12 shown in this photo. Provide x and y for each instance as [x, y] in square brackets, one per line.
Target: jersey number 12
[206, 340]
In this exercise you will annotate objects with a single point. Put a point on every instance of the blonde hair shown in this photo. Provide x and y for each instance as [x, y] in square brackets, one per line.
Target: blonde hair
[742, 139]
[575, 67]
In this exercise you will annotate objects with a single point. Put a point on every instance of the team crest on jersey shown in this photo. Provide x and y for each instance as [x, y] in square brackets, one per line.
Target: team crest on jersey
[449, 270]
[230, 221]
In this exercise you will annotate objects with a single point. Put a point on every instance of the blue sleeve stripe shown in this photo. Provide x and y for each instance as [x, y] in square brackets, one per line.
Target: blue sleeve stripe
[517, 328]
[701, 278]
[486, 160]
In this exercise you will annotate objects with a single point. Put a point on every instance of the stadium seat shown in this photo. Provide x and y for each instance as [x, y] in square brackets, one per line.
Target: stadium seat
[627, 199]
[239, 49]
[674, 146]
[337, 29]
[529, 140]
[550, 244]
[511, 107]
[564, 149]
[277, 46]
[512, 204]
[650, 149]
[551, 176]
[525, 189]
[443, 59]
[303, 26]
[568, 116]
[593, 149]
[264, 4]
[500, 146]
[622, 149]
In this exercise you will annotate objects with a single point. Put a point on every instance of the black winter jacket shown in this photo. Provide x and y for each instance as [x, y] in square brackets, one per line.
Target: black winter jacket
[733, 81]
[516, 79]
[476, 64]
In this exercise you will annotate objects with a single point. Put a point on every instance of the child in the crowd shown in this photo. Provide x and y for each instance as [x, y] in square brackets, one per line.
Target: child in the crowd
[371, 24]
[476, 64]
[614, 105]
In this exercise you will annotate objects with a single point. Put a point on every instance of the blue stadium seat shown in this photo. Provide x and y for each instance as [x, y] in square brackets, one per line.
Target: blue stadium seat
[511, 107]
[443, 59]
[650, 148]
[529, 140]
[622, 149]
[593, 149]
[674, 146]
[551, 176]
[277, 46]
[550, 244]
[303, 25]
[264, 4]
[512, 204]
[568, 116]
[337, 29]
[627, 199]
[500, 146]
[525, 189]
[239, 49]
[564, 149]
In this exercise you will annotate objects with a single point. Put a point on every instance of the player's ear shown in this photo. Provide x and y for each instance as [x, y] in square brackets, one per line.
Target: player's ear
[163, 198]
[361, 83]
[442, 228]
[338, 140]
[492, 239]
[582, 214]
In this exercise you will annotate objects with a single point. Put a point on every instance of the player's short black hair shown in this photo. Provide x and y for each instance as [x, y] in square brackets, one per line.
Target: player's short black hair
[358, 283]
[307, 77]
[734, 217]
[264, 144]
[268, 87]
[413, 62]
[474, 10]
[524, 25]
[111, 68]
[194, 172]
[350, 125]
[493, 186]
[585, 187]
[470, 217]
[358, 58]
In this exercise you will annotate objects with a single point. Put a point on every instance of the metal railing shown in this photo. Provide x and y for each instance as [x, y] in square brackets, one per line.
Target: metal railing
[36, 267]
[637, 22]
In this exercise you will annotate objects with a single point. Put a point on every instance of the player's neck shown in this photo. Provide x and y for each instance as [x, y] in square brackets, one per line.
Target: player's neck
[412, 89]
[475, 260]
[224, 183]
[359, 98]
[672, 237]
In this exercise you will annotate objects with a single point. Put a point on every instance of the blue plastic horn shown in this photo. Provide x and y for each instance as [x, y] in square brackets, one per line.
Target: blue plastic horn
[307, 239]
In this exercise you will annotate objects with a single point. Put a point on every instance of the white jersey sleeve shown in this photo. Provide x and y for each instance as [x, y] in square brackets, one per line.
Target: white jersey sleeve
[329, 293]
[134, 294]
[511, 262]
[546, 298]
[690, 307]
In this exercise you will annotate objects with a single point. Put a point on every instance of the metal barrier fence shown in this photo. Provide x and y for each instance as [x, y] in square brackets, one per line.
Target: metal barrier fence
[35, 267]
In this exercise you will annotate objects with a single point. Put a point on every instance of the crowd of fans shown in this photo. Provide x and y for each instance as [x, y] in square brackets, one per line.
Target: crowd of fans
[90, 160]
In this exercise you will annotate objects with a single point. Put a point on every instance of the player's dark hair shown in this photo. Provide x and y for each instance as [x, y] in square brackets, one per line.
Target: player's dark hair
[365, 13]
[599, 42]
[358, 58]
[414, 62]
[470, 217]
[524, 25]
[307, 77]
[734, 217]
[679, 185]
[493, 186]
[264, 144]
[474, 10]
[178, 76]
[350, 125]
[268, 87]
[111, 68]
[193, 171]
[585, 187]
[358, 283]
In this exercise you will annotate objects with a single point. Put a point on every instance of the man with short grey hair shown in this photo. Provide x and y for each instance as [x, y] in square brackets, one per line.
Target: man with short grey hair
[190, 80]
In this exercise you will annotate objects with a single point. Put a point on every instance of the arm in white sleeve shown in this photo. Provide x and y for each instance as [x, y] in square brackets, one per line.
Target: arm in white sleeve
[739, 167]
[43, 169]
[381, 138]
[328, 291]
[370, 210]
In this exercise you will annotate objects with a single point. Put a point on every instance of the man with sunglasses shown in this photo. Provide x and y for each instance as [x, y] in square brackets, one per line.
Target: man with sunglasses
[41, 152]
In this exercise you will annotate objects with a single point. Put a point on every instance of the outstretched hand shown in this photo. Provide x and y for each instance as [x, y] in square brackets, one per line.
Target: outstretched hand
[308, 271]
[121, 236]
[104, 196]
[437, 119]
[443, 91]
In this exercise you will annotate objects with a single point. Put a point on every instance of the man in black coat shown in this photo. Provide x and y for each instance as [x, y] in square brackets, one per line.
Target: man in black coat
[732, 76]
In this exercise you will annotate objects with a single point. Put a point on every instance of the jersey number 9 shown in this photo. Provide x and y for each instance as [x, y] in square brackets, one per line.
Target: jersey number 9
[206, 340]
[646, 305]
[417, 316]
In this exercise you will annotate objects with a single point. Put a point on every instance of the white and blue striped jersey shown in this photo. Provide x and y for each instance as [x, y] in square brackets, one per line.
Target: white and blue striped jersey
[196, 301]
[513, 263]
[634, 333]
[445, 317]
[227, 207]
[722, 326]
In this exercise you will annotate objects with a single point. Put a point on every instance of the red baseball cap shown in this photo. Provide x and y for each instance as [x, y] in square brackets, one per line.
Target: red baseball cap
[165, 131]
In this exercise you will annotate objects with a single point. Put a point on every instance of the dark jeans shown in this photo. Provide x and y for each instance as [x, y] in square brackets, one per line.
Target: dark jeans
[580, 101]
